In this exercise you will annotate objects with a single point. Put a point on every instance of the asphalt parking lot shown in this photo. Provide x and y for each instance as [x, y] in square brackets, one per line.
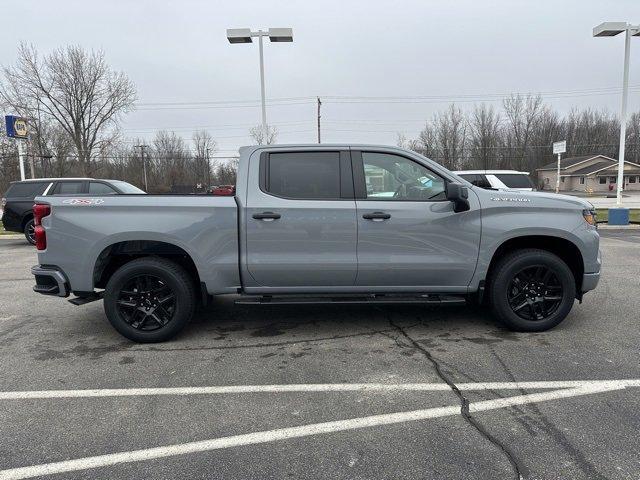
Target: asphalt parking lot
[358, 392]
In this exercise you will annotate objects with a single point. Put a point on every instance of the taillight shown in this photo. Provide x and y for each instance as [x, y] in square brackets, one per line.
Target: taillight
[40, 210]
[40, 236]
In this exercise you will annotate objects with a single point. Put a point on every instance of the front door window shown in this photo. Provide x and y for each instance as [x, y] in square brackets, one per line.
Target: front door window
[396, 178]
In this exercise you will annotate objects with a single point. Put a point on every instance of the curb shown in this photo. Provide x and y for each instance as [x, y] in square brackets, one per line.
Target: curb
[12, 237]
[606, 226]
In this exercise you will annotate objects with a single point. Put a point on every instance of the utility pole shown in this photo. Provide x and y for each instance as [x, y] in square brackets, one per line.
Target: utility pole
[319, 104]
[208, 169]
[144, 164]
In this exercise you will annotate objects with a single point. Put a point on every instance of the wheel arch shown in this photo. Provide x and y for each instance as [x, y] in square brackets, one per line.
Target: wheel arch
[119, 253]
[564, 248]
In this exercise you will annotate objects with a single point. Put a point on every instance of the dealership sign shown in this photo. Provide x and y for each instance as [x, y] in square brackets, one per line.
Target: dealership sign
[559, 147]
[16, 126]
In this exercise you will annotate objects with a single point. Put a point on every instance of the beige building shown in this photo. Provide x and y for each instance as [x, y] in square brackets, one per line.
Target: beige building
[590, 173]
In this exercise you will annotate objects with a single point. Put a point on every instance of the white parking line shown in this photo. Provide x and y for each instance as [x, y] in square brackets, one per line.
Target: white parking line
[297, 432]
[318, 387]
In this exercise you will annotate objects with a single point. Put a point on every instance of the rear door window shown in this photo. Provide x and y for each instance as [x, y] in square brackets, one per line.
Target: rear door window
[68, 188]
[26, 189]
[303, 175]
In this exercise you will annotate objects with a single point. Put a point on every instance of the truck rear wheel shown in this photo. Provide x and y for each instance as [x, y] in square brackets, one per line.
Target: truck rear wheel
[149, 299]
[531, 290]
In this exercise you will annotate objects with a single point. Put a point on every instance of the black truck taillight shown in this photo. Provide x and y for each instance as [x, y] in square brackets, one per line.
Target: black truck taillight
[40, 210]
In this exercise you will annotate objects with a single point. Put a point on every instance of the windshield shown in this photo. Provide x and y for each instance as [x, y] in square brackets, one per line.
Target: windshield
[125, 187]
[515, 180]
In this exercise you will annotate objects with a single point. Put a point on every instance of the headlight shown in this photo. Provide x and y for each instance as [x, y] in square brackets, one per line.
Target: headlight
[590, 217]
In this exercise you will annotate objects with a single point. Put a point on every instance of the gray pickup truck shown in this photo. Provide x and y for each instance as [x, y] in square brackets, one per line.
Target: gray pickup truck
[320, 223]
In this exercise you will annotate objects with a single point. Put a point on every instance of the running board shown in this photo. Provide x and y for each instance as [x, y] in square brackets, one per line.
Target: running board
[86, 299]
[376, 299]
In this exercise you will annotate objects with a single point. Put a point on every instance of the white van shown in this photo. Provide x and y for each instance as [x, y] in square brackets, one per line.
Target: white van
[498, 179]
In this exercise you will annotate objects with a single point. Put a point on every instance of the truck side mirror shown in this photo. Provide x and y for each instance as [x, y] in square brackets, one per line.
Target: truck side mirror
[459, 195]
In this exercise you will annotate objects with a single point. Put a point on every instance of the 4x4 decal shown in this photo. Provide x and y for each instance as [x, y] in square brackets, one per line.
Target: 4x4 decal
[83, 201]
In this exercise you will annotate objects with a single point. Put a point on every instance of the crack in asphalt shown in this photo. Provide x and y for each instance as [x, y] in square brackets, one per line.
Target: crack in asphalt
[464, 402]
[258, 345]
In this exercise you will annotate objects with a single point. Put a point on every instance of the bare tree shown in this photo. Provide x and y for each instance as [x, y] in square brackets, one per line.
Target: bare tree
[451, 134]
[225, 172]
[486, 137]
[633, 138]
[171, 160]
[426, 143]
[589, 130]
[204, 145]
[262, 136]
[74, 87]
[55, 149]
[521, 114]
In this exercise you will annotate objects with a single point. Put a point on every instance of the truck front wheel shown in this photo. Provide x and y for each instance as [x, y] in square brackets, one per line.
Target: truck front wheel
[149, 299]
[531, 290]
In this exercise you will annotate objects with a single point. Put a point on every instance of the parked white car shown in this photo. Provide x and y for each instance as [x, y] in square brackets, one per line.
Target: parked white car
[498, 179]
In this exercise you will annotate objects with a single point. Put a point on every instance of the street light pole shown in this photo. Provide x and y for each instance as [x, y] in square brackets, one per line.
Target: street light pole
[262, 89]
[623, 116]
[611, 29]
[246, 35]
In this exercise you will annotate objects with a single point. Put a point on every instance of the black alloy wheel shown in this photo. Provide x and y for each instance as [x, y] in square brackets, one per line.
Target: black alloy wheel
[535, 293]
[30, 232]
[146, 302]
[531, 290]
[150, 299]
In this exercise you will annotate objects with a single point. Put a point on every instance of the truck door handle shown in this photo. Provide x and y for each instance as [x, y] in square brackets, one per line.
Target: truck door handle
[376, 216]
[266, 216]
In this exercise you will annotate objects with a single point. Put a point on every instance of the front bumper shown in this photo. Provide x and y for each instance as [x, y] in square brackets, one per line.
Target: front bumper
[50, 281]
[590, 280]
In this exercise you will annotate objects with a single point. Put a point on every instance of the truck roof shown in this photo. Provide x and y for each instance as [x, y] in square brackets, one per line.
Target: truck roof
[355, 146]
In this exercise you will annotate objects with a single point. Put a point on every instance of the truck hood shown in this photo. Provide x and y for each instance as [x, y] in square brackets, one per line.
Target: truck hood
[506, 197]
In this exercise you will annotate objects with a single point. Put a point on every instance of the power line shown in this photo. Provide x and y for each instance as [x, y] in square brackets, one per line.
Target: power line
[303, 100]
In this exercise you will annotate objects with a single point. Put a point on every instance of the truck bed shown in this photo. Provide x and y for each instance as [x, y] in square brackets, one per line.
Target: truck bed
[80, 228]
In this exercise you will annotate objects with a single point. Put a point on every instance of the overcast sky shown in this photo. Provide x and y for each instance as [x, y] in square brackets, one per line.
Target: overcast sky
[463, 51]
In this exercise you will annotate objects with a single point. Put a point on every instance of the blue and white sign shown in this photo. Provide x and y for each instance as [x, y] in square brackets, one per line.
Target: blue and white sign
[16, 126]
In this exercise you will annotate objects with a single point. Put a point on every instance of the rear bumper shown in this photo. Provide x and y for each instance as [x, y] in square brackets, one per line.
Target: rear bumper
[50, 281]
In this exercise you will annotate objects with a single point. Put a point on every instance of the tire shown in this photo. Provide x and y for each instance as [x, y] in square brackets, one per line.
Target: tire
[150, 299]
[29, 232]
[531, 290]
